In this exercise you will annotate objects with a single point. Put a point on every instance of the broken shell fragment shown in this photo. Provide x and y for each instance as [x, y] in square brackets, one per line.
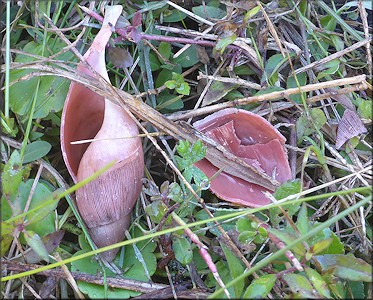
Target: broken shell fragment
[105, 204]
[251, 138]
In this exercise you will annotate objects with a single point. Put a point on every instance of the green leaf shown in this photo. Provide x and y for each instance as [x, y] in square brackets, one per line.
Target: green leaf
[365, 109]
[273, 65]
[183, 89]
[36, 150]
[302, 220]
[259, 288]
[224, 42]
[188, 58]
[169, 102]
[174, 15]
[346, 266]
[170, 84]
[306, 126]
[235, 269]
[292, 83]
[251, 13]
[51, 242]
[134, 266]
[300, 286]
[217, 91]
[42, 221]
[165, 49]
[91, 266]
[6, 237]
[36, 244]
[288, 238]
[332, 68]
[52, 89]
[156, 211]
[322, 245]
[12, 175]
[244, 224]
[288, 188]
[356, 289]
[155, 65]
[183, 251]
[318, 282]
[209, 12]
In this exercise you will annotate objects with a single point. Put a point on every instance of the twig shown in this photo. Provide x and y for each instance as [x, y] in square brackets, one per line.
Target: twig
[239, 81]
[113, 282]
[360, 79]
[333, 56]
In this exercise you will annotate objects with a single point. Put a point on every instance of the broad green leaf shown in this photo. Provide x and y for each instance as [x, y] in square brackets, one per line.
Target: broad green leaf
[356, 290]
[202, 215]
[300, 286]
[188, 58]
[133, 266]
[244, 224]
[174, 15]
[321, 246]
[36, 244]
[170, 102]
[155, 65]
[52, 90]
[336, 247]
[318, 282]
[288, 188]
[269, 90]
[346, 266]
[272, 66]
[36, 150]
[95, 291]
[12, 174]
[209, 12]
[259, 288]
[42, 221]
[235, 269]
[165, 49]
[302, 220]
[183, 251]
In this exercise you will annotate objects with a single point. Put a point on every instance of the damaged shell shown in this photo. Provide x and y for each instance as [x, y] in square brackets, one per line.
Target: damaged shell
[251, 138]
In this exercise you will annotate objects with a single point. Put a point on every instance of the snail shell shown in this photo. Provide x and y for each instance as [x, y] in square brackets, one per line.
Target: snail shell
[104, 204]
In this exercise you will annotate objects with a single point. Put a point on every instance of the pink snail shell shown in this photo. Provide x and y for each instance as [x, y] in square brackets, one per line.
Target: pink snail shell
[251, 138]
[104, 204]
